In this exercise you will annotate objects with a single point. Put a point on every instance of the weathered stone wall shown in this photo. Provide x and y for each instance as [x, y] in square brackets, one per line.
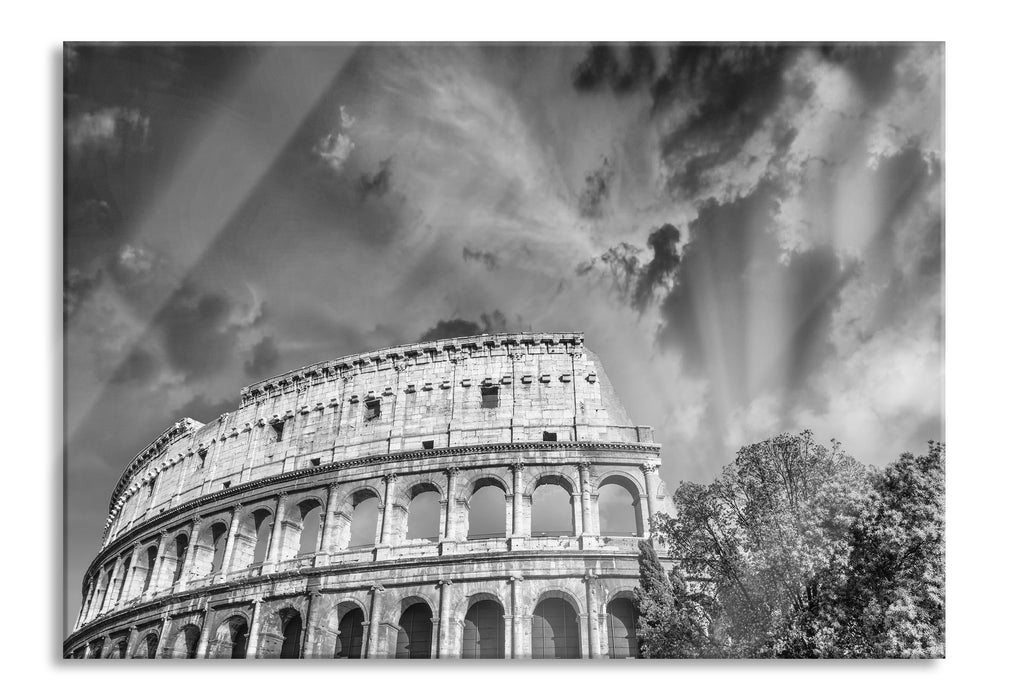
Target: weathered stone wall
[176, 574]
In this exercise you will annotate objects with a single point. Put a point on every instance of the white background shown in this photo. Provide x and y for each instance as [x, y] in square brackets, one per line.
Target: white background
[976, 256]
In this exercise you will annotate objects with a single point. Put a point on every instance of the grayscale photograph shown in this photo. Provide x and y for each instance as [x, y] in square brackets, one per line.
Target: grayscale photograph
[503, 351]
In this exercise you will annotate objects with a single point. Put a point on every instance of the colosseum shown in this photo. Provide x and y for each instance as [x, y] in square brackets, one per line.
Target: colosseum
[478, 497]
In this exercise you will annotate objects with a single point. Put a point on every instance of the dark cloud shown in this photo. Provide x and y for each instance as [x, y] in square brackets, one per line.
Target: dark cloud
[377, 184]
[77, 288]
[485, 258]
[139, 367]
[495, 322]
[873, 66]
[620, 69]
[201, 331]
[597, 190]
[264, 360]
[732, 278]
[664, 260]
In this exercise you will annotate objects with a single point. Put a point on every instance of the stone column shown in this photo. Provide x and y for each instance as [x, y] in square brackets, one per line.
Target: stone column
[159, 566]
[194, 536]
[252, 645]
[277, 531]
[229, 546]
[450, 515]
[591, 619]
[444, 625]
[204, 642]
[373, 621]
[326, 525]
[651, 489]
[162, 638]
[390, 491]
[89, 597]
[585, 486]
[517, 612]
[518, 505]
[311, 613]
[131, 639]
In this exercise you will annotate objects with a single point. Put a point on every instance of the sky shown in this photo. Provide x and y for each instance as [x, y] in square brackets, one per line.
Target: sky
[751, 237]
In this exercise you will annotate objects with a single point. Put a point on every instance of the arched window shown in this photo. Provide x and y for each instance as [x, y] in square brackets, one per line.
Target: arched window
[152, 562]
[291, 629]
[262, 521]
[311, 518]
[622, 620]
[350, 641]
[619, 509]
[483, 633]
[219, 537]
[422, 520]
[553, 509]
[232, 639]
[105, 584]
[148, 648]
[118, 650]
[186, 642]
[555, 632]
[125, 575]
[415, 631]
[487, 512]
[363, 520]
[181, 549]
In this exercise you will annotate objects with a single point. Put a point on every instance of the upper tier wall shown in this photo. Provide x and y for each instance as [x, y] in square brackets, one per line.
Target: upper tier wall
[377, 403]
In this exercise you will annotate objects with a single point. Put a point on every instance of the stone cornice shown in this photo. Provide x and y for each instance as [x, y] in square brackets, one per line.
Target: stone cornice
[399, 357]
[184, 427]
[158, 521]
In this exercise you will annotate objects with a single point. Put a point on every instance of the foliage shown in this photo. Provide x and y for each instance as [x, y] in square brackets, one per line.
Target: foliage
[672, 624]
[758, 536]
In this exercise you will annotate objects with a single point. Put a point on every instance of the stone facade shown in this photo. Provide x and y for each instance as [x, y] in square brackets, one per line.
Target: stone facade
[238, 537]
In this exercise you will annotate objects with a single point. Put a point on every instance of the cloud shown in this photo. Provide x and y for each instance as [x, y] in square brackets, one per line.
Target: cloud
[139, 367]
[77, 288]
[347, 121]
[200, 408]
[596, 191]
[495, 322]
[264, 360]
[621, 69]
[377, 184]
[106, 130]
[485, 258]
[334, 150]
[665, 259]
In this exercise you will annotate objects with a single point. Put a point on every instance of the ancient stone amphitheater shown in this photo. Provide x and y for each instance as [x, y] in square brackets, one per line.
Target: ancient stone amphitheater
[478, 497]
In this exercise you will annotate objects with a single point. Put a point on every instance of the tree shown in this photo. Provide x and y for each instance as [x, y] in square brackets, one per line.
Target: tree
[888, 599]
[760, 535]
[672, 624]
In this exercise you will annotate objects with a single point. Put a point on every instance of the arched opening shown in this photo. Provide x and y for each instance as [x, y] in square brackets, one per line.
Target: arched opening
[290, 628]
[425, 508]
[151, 561]
[186, 642]
[415, 632]
[125, 576]
[487, 511]
[621, 623]
[483, 631]
[363, 519]
[232, 639]
[103, 585]
[219, 537]
[555, 631]
[619, 509]
[262, 521]
[311, 519]
[181, 549]
[148, 648]
[553, 508]
[118, 650]
[350, 640]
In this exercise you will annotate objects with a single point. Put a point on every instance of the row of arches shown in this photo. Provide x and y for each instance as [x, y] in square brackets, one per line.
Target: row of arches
[274, 531]
[555, 633]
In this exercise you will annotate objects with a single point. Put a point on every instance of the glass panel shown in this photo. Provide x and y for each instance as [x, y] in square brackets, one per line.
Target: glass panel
[350, 644]
[483, 633]
[414, 640]
[555, 631]
[622, 623]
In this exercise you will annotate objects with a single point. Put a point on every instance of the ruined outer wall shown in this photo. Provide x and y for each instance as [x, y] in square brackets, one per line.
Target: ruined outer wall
[385, 423]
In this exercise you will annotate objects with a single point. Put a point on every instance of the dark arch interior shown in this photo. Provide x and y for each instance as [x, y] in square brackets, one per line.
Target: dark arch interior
[152, 560]
[219, 536]
[291, 629]
[150, 646]
[311, 521]
[262, 521]
[415, 632]
[350, 638]
[622, 619]
[555, 631]
[181, 548]
[483, 631]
